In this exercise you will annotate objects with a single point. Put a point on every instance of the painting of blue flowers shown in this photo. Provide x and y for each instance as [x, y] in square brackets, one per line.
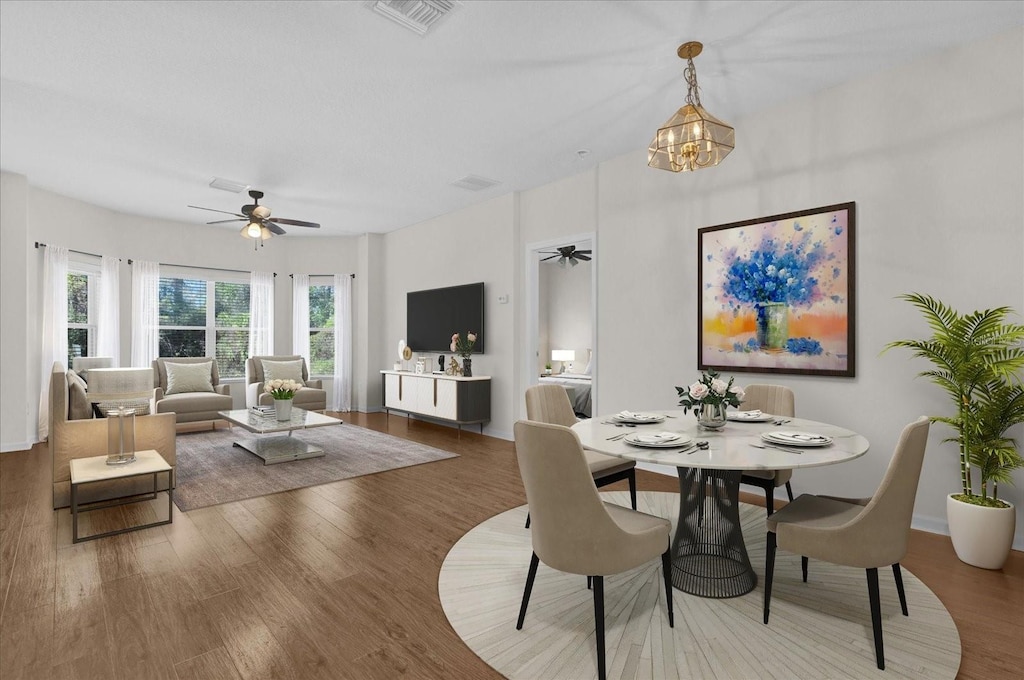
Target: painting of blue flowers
[777, 293]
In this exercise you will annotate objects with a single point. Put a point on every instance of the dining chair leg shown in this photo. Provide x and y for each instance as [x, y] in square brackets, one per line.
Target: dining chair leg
[527, 520]
[666, 570]
[534, 560]
[599, 624]
[769, 570]
[632, 487]
[803, 566]
[590, 583]
[898, 575]
[789, 492]
[876, 617]
[769, 500]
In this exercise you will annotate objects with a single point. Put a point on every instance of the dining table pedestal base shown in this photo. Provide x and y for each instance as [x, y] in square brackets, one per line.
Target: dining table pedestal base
[709, 557]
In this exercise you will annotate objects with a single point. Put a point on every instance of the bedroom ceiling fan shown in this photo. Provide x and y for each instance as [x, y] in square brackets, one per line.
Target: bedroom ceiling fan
[567, 255]
[260, 226]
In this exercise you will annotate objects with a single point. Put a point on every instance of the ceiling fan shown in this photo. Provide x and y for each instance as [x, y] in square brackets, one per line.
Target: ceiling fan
[260, 225]
[567, 255]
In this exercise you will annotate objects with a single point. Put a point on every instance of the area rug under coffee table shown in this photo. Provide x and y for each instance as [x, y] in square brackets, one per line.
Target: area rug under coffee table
[211, 470]
[819, 629]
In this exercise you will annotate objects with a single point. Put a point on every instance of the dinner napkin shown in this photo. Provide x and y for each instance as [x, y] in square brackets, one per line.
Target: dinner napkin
[636, 416]
[657, 437]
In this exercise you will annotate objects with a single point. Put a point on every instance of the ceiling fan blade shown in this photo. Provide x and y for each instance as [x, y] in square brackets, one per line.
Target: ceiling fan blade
[220, 211]
[274, 227]
[242, 219]
[297, 223]
[584, 252]
[550, 258]
[585, 258]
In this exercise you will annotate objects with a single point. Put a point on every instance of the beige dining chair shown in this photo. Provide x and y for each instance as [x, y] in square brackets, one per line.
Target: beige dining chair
[573, 530]
[550, 404]
[778, 401]
[867, 533]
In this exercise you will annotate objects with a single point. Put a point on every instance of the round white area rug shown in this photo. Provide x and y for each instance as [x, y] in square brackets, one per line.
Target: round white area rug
[819, 629]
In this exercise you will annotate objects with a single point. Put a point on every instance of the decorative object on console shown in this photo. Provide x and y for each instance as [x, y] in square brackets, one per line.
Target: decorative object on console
[283, 391]
[709, 398]
[120, 436]
[464, 347]
[777, 293]
[566, 356]
[440, 363]
[692, 138]
[260, 227]
[453, 368]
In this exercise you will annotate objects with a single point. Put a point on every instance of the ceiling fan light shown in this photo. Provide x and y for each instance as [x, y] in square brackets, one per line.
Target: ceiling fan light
[253, 229]
[573, 261]
[265, 233]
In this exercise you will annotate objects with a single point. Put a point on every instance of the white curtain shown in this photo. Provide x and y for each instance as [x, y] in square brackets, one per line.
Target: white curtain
[300, 316]
[261, 314]
[145, 313]
[55, 326]
[108, 325]
[342, 342]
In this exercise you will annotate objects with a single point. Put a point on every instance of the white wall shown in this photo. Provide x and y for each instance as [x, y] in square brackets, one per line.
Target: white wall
[17, 416]
[475, 244]
[566, 301]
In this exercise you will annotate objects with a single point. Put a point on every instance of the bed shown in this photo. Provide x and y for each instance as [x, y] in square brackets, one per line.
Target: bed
[578, 386]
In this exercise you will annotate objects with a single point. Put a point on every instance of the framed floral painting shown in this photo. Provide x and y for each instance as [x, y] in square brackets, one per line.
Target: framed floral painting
[777, 293]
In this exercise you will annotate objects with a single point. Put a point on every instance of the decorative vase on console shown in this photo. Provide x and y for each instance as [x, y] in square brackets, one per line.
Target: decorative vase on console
[283, 391]
[709, 398]
[464, 347]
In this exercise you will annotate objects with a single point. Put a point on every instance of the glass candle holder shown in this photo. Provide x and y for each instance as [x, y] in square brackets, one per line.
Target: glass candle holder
[121, 436]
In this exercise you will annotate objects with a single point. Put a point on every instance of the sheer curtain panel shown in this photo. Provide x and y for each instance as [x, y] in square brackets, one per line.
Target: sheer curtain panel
[55, 326]
[145, 313]
[261, 314]
[108, 325]
[300, 317]
[342, 391]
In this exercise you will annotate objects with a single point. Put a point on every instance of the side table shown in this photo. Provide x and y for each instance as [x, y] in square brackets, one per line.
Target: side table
[95, 469]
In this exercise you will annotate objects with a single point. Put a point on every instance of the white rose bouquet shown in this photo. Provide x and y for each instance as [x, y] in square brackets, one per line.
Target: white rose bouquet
[282, 389]
[710, 389]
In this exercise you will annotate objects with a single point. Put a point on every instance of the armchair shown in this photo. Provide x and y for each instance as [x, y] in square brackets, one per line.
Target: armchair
[312, 397]
[191, 394]
[82, 438]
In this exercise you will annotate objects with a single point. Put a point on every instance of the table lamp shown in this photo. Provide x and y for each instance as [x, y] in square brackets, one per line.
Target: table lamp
[565, 356]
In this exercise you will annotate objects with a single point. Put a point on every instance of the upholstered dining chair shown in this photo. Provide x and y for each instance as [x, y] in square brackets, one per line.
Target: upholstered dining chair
[778, 401]
[550, 404]
[573, 530]
[867, 533]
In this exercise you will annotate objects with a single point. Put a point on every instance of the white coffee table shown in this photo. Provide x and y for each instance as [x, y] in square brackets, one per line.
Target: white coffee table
[95, 469]
[280, 448]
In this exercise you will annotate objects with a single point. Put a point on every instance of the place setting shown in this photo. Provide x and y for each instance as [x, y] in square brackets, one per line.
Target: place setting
[790, 441]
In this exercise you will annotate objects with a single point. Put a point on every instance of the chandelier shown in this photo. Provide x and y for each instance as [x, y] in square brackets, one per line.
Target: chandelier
[691, 139]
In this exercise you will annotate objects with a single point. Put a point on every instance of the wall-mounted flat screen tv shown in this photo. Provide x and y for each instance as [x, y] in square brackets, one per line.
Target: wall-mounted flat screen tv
[433, 315]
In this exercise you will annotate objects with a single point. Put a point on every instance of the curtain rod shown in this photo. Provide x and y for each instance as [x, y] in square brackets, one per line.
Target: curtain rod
[196, 266]
[351, 276]
[40, 244]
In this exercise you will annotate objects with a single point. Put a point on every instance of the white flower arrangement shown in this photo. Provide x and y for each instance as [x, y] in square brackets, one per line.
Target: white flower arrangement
[282, 389]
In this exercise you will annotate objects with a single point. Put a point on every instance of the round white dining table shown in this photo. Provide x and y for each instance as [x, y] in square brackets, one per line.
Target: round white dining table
[709, 557]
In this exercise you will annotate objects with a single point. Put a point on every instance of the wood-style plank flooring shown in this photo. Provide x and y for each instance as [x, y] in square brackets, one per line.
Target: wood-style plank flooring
[335, 581]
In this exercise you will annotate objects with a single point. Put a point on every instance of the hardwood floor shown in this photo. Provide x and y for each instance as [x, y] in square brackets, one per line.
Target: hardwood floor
[335, 581]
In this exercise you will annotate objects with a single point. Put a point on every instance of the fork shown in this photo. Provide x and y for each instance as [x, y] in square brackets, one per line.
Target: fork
[615, 437]
[780, 421]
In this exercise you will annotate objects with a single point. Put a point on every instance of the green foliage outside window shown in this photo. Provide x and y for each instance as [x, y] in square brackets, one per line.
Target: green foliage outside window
[321, 330]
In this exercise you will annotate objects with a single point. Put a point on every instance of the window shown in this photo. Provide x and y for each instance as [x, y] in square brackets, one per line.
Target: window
[81, 314]
[321, 330]
[205, 318]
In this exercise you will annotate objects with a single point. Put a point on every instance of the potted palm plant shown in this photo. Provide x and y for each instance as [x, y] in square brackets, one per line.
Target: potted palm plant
[977, 359]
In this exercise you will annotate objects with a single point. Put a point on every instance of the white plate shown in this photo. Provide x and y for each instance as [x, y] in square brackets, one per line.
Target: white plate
[749, 416]
[638, 418]
[790, 438]
[648, 441]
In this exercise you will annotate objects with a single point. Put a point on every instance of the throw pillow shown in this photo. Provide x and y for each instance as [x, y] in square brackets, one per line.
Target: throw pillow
[78, 400]
[183, 378]
[283, 370]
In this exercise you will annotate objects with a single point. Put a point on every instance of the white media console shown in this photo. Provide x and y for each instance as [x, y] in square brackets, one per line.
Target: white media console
[453, 399]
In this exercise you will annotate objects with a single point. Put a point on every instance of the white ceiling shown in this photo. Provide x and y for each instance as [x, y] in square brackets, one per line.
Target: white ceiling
[347, 119]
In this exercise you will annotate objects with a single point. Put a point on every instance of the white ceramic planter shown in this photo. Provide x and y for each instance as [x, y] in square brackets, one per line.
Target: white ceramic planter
[982, 536]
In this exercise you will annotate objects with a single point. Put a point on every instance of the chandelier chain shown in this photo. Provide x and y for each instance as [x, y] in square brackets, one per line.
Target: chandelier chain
[692, 91]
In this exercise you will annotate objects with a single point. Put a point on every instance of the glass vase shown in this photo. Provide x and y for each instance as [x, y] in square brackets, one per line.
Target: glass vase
[120, 436]
[711, 416]
[283, 409]
[467, 367]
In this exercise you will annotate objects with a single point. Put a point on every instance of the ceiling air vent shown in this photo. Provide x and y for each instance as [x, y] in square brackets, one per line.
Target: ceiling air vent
[416, 15]
[228, 185]
[475, 183]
